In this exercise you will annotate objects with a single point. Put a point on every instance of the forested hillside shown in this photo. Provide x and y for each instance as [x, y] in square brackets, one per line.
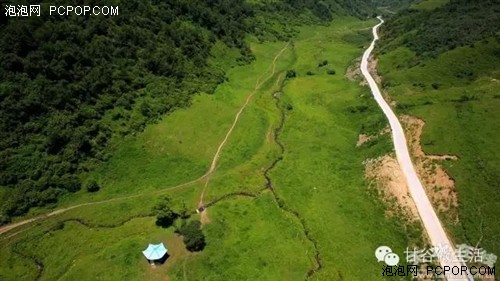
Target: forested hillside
[68, 85]
[432, 32]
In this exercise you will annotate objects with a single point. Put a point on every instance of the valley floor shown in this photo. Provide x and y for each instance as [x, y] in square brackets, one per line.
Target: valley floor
[287, 198]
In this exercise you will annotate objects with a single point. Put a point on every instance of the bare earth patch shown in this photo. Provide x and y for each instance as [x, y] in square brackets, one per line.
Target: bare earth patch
[364, 138]
[269, 135]
[440, 187]
[353, 72]
[204, 219]
[391, 184]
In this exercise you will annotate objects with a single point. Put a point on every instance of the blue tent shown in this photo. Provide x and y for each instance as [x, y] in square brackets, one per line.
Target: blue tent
[155, 252]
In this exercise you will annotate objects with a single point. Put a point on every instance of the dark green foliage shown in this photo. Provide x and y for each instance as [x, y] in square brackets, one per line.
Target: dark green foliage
[357, 109]
[435, 85]
[194, 239]
[458, 23]
[165, 216]
[279, 19]
[92, 186]
[57, 226]
[331, 72]
[323, 63]
[60, 76]
[4, 219]
[322, 10]
[25, 197]
[184, 213]
[291, 74]
[466, 98]
[69, 84]
[393, 4]
[310, 73]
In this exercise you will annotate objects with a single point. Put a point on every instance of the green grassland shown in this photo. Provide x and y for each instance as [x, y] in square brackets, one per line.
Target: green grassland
[456, 94]
[319, 215]
[321, 175]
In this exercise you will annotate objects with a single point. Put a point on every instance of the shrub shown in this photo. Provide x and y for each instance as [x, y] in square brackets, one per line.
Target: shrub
[58, 226]
[466, 98]
[291, 74]
[69, 182]
[323, 63]
[146, 109]
[184, 213]
[194, 239]
[4, 219]
[165, 216]
[92, 186]
[331, 72]
[310, 73]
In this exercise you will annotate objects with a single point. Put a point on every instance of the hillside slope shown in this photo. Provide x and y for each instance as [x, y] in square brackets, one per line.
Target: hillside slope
[439, 62]
[71, 85]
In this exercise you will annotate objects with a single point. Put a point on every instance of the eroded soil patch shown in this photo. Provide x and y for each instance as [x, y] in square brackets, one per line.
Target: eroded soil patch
[389, 179]
[440, 187]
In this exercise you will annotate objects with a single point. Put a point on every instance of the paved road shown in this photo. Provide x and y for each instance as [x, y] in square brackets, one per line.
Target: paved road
[432, 225]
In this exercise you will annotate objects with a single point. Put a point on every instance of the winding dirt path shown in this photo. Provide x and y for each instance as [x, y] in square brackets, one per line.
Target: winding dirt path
[215, 159]
[259, 83]
[430, 220]
[9, 227]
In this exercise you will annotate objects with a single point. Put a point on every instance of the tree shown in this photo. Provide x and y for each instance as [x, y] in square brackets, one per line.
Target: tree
[92, 186]
[321, 10]
[291, 74]
[4, 219]
[194, 239]
[331, 72]
[165, 216]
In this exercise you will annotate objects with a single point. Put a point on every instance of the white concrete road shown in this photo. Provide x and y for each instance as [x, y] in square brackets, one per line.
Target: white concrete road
[432, 225]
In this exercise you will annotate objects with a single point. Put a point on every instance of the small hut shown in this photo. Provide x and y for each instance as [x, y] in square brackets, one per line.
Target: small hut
[155, 253]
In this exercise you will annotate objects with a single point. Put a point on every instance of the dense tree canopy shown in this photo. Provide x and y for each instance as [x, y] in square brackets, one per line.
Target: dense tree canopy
[194, 239]
[165, 215]
[61, 76]
[432, 32]
[68, 84]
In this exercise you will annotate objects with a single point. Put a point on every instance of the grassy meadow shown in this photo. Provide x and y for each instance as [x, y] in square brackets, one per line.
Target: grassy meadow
[325, 215]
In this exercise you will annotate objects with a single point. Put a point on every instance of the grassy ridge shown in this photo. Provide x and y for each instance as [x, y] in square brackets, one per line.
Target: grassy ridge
[456, 94]
[71, 84]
